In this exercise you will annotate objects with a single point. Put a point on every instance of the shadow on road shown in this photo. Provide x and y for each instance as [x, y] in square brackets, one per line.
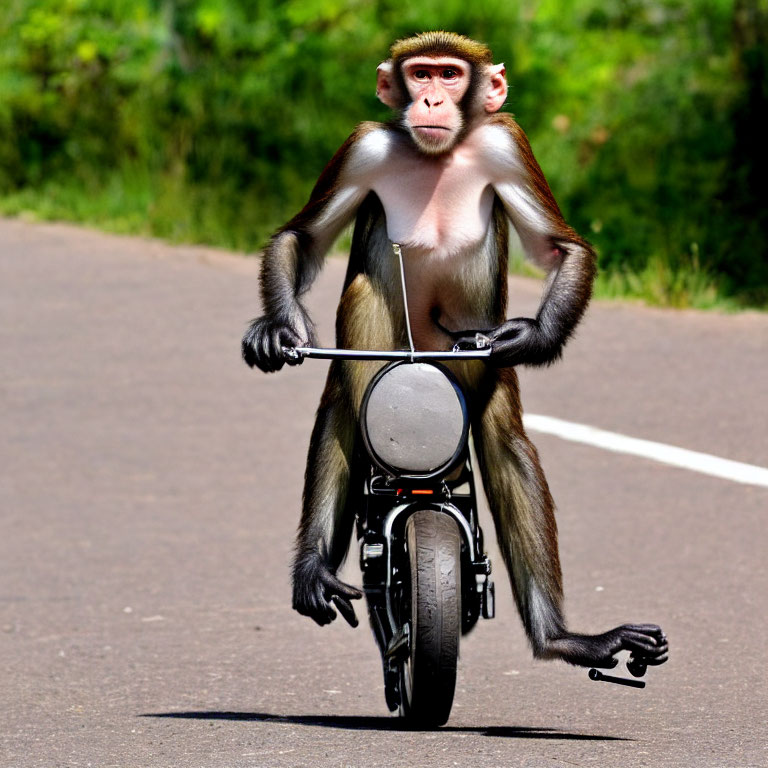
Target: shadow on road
[361, 723]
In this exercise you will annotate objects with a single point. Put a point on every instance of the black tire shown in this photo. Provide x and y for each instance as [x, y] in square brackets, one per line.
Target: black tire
[429, 674]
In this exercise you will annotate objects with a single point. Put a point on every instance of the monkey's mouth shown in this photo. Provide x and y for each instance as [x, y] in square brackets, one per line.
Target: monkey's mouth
[436, 132]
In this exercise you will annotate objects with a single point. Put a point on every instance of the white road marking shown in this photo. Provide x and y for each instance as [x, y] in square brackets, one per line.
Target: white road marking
[737, 471]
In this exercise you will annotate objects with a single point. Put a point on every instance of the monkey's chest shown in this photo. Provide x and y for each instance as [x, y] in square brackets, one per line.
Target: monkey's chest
[435, 208]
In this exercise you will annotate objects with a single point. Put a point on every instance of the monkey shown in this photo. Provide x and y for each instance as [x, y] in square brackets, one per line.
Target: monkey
[444, 179]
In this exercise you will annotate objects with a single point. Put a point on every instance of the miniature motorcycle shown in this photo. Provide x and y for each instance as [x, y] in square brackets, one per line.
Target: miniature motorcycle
[426, 576]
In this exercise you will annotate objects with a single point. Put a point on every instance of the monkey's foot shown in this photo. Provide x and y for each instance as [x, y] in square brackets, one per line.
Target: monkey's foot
[316, 591]
[647, 643]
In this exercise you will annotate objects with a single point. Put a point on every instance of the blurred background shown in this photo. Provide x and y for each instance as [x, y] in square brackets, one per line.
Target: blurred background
[209, 120]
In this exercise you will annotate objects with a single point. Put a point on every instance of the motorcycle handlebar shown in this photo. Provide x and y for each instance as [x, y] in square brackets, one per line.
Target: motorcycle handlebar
[295, 353]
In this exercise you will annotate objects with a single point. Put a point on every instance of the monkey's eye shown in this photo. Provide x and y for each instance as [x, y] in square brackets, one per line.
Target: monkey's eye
[450, 74]
[421, 74]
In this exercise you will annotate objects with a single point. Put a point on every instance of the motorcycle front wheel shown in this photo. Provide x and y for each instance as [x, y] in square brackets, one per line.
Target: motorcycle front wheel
[428, 677]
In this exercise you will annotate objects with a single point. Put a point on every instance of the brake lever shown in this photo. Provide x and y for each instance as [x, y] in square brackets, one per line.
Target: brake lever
[481, 342]
[596, 674]
[291, 353]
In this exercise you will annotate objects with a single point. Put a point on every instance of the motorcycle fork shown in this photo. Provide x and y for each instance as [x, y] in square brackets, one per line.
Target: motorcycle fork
[385, 566]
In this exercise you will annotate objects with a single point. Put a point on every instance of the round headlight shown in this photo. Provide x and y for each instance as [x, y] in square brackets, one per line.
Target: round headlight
[414, 420]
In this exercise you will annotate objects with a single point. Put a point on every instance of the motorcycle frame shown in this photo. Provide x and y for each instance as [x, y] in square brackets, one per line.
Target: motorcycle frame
[387, 505]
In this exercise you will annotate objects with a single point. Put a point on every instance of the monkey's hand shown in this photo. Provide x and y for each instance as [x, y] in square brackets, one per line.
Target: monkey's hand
[647, 642]
[521, 341]
[264, 340]
[316, 591]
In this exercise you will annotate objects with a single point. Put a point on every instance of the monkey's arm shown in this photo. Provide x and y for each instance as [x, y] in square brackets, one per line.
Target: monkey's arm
[295, 254]
[548, 241]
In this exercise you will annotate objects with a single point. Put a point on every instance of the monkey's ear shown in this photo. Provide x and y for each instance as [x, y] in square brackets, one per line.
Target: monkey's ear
[386, 86]
[496, 88]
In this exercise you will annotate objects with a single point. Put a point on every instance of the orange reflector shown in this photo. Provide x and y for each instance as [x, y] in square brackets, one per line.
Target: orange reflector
[424, 492]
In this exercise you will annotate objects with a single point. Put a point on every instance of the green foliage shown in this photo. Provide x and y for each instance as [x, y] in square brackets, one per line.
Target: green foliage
[208, 120]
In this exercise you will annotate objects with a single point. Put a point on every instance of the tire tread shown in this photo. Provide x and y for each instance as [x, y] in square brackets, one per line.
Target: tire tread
[434, 546]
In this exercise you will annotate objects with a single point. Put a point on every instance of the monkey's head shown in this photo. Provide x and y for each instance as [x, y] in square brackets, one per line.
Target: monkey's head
[441, 83]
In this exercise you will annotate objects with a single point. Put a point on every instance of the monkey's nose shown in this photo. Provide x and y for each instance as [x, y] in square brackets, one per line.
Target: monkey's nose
[433, 103]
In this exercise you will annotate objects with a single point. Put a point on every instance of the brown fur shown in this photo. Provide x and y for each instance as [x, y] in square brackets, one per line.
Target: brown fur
[441, 43]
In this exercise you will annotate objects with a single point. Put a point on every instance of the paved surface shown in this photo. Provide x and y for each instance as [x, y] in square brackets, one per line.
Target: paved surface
[149, 490]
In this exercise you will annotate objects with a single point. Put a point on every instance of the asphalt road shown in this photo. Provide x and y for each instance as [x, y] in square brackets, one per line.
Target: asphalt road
[149, 491]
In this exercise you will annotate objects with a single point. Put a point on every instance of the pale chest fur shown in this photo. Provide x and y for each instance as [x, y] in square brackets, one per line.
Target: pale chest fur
[436, 206]
[439, 210]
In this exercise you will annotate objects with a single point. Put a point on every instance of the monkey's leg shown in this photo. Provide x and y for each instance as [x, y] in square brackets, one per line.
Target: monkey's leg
[326, 520]
[524, 516]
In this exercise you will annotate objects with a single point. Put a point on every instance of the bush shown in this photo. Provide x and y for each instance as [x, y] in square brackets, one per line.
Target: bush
[208, 120]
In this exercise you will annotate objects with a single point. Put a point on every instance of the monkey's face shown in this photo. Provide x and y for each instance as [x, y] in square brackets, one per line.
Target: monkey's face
[436, 87]
[439, 97]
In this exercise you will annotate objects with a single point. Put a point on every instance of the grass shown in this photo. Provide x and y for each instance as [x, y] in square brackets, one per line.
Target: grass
[658, 285]
[134, 203]
[119, 206]
[661, 285]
